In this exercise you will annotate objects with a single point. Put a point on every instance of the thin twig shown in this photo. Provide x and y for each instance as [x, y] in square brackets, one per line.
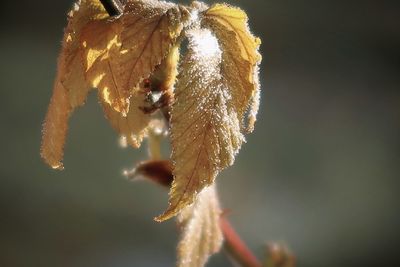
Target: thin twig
[236, 248]
[113, 7]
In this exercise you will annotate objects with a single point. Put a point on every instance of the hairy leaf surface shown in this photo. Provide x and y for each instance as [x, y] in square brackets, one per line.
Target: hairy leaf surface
[201, 232]
[70, 87]
[122, 52]
[150, 30]
[205, 131]
[132, 59]
[102, 45]
[240, 56]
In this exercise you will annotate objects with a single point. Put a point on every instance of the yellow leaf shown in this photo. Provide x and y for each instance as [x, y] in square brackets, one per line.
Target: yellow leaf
[101, 43]
[55, 128]
[70, 88]
[121, 52]
[201, 232]
[240, 56]
[164, 76]
[151, 29]
[133, 125]
[102, 58]
[205, 130]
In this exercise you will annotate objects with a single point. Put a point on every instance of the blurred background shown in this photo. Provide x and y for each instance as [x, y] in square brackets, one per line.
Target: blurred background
[320, 173]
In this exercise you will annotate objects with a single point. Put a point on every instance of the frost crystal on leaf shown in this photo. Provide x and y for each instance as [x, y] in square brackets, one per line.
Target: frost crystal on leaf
[205, 130]
[201, 232]
[240, 56]
[132, 60]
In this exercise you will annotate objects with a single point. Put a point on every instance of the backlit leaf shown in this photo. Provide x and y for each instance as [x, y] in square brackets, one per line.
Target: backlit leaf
[102, 47]
[205, 130]
[133, 125]
[132, 59]
[240, 56]
[150, 30]
[70, 88]
[122, 51]
[201, 234]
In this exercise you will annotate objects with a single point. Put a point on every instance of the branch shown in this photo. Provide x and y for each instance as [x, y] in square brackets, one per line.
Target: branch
[235, 247]
[113, 7]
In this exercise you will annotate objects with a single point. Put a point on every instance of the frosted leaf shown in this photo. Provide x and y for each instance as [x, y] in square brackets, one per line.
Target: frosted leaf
[201, 233]
[121, 52]
[205, 130]
[136, 6]
[255, 103]
[150, 31]
[240, 56]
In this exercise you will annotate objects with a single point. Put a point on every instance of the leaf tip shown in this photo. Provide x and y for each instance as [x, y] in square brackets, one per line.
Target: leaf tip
[52, 162]
[58, 166]
[174, 208]
[168, 214]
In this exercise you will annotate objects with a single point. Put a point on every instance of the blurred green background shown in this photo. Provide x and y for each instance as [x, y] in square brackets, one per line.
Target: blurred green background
[320, 172]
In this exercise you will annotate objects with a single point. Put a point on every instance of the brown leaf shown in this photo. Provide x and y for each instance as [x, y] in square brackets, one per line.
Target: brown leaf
[158, 171]
[70, 88]
[201, 233]
[240, 56]
[205, 131]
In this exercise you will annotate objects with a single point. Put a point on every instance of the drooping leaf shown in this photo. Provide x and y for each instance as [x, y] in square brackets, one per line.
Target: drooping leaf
[201, 235]
[205, 129]
[55, 128]
[217, 84]
[240, 56]
[70, 88]
[101, 57]
[101, 43]
[122, 51]
[150, 31]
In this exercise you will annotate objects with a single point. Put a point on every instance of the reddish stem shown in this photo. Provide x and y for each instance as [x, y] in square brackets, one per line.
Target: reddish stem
[160, 171]
[236, 247]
